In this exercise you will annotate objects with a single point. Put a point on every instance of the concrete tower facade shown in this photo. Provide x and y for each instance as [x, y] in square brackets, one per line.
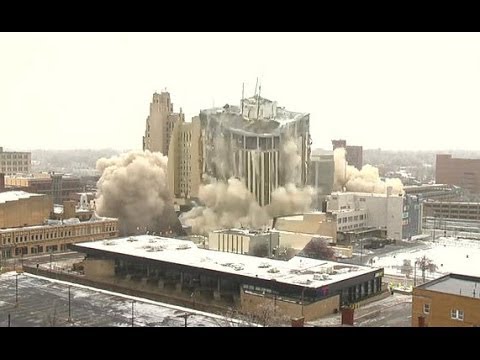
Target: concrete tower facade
[160, 123]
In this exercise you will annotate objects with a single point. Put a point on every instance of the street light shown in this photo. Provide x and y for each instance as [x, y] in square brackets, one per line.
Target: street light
[185, 316]
[16, 289]
[51, 258]
[69, 305]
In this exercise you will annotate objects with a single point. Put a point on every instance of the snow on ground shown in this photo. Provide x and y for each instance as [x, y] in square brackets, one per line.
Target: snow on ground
[42, 296]
[448, 253]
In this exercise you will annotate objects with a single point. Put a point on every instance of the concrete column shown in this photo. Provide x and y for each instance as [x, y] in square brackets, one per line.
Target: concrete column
[216, 293]
[161, 284]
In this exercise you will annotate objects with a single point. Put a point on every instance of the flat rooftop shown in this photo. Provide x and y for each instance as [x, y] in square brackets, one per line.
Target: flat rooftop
[364, 194]
[300, 271]
[15, 195]
[65, 222]
[455, 284]
[245, 232]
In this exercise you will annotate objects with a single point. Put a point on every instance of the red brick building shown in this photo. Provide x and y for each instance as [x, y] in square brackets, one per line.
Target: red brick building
[461, 172]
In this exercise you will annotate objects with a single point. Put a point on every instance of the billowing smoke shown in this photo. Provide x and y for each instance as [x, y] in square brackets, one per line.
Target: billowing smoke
[289, 199]
[291, 159]
[231, 204]
[349, 178]
[133, 187]
[225, 205]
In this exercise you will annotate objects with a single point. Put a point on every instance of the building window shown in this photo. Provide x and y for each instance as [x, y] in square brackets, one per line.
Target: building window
[456, 314]
[426, 308]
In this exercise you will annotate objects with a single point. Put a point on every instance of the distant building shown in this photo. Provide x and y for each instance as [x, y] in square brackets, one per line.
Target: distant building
[184, 160]
[54, 235]
[2, 182]
[58, 186]
[434, 192]
[320, 176]
[243, 241]
[452, 210]
[19, 208]
[412, 219]
[160, 123]
[14, 162]
[461, 172]
[177, 269]
[355, 210]
[298, 230]
[354, 154]
[452, 300]
[81, 210]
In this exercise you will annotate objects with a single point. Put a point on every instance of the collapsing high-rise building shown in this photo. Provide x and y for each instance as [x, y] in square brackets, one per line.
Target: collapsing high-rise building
[160, 123]
[258, 142]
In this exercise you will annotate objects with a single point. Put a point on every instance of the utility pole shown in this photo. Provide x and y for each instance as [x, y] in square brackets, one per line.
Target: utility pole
[415, 274]
[133, 313]
[8, 319]
[16, 289]
[69, 304]
[361, 251]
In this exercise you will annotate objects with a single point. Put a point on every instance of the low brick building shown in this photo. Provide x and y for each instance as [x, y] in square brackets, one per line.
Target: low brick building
[300, 287]
[452, 300]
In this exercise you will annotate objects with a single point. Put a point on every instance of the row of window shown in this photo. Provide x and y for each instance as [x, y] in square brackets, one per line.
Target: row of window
[349, 227]
[9, 163]
[15, 169]
[455, 314]
[57, 234]
[13, 156]
[351, 218]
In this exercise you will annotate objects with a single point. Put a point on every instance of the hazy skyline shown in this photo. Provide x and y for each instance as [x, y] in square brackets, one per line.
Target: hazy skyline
[412, 91]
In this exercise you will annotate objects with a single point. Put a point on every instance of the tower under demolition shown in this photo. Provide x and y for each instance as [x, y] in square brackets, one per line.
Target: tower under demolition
[258, 142]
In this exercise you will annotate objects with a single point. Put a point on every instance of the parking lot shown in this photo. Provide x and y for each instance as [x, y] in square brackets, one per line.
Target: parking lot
[45, 302]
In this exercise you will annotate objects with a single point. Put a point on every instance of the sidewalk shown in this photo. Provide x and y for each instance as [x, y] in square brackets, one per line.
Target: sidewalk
[385, 308]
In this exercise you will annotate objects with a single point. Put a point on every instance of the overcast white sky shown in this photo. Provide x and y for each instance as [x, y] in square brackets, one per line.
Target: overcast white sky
[380, 90]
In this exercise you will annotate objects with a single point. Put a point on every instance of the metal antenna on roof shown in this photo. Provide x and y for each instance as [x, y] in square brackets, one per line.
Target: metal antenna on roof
[258, 100]
[243, 95]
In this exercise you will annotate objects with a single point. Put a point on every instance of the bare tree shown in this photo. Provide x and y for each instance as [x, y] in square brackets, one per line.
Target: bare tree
[425, 264]
[407, 268]
[265, 314]
[51, 317]
[318, 249]
[260, 250]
